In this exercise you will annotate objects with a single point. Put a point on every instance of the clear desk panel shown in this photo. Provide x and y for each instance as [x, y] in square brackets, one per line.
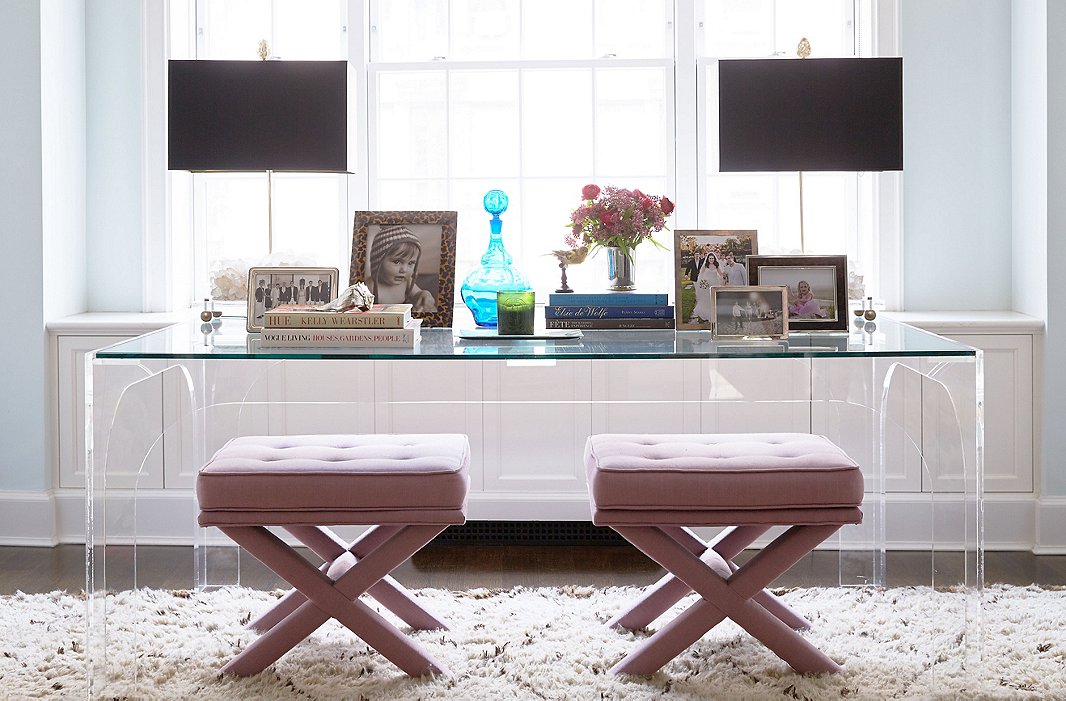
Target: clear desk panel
[904, 403]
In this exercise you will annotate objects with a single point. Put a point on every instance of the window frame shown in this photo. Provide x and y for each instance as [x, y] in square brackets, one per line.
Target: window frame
[166, 254]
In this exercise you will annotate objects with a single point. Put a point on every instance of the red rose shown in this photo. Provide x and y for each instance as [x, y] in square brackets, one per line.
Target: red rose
[667, 206]
[608, 218]
[590, 191]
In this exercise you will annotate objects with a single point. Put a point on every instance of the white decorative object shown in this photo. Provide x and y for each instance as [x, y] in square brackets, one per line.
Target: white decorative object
[229, 276]
[357, 296]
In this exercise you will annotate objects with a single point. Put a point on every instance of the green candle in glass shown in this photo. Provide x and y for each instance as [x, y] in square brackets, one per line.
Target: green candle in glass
[514, 310]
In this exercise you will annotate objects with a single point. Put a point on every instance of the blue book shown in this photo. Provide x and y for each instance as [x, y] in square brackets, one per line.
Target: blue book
[629, 311]
[607, 299]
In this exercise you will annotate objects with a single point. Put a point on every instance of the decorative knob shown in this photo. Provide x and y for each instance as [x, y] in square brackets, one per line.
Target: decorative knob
[495, 202]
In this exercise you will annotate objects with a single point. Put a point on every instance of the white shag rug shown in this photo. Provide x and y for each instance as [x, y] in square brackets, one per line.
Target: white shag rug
[542, 644]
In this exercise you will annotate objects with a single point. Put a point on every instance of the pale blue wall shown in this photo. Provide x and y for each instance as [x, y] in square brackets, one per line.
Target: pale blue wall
[957, 157]
[1054, 386]
[63, 156]
[115, 155]
[24, 444]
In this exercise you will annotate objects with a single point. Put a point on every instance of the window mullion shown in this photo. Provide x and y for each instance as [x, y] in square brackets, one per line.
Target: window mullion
[688, 154]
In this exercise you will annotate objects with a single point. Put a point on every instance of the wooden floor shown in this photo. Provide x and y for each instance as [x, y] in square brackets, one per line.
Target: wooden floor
[466, 566]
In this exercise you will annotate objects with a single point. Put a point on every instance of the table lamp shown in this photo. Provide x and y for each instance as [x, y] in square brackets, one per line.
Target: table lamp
[261, 116]
[810, 114]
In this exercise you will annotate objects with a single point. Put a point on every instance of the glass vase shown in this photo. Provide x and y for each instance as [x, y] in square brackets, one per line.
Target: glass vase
[621, 270]
[497, 270]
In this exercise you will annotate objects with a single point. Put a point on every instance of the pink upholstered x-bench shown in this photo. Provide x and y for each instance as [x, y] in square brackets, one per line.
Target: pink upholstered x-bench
[408, 487]
[651, 488]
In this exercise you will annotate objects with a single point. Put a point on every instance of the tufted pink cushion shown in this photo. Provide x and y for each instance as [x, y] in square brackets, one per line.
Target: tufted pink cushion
[336, 479]
[721, 479]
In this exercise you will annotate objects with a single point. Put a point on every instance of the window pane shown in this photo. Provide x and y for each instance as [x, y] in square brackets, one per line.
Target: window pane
[409, 30]
[404, 195]
[825, 23]
[738, 28]
[557, 122]
[632, 125]
[483, 117]
[309, 31]
[484, 30]
[309, 212]
[233, 214]
[634, 29]
[412, 125]
[234, 28]
[759, 28]
[557, 29]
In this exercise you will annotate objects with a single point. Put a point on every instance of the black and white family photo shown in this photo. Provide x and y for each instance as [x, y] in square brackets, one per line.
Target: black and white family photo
[749, 312]
[270, 288]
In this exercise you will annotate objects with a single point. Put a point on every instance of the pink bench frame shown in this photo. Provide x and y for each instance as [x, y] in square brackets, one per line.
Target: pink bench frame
[726, 591]
[333, 591]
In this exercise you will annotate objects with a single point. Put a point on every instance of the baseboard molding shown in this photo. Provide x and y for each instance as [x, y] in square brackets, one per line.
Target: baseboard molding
[166, 517]
[1050, 526]
[29, 519]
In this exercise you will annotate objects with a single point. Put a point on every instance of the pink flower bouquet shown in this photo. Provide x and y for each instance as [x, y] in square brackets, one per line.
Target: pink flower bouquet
[618, 217]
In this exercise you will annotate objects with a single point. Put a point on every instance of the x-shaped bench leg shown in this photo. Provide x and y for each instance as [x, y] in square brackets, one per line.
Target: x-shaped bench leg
[725, 592]
[669, 589]
[333, 594]
[390, 593]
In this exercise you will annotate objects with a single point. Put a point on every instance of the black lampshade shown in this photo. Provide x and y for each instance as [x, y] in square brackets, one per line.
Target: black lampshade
[838, 114]
[258, 115]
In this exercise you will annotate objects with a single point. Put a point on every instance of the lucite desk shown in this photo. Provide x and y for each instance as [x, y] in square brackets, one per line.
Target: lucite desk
[906, 404]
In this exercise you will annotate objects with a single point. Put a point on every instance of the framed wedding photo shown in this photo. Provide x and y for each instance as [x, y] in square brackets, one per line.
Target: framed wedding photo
[407, 257]
[817, 288]
[704, 259]
[749, 312]
[269, 288]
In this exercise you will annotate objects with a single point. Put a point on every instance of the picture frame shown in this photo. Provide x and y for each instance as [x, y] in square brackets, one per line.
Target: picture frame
[826, 306]
[424, 239]
[691, 248]
[746, 312]
[269, 287]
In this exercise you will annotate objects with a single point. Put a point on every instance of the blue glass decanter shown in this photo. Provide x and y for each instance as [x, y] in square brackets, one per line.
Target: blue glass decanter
[497, 271]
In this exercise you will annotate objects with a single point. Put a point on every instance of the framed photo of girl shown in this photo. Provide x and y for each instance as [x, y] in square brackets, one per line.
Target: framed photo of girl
[704, 259]
[407, 258]
[269, 288]
[817, 288]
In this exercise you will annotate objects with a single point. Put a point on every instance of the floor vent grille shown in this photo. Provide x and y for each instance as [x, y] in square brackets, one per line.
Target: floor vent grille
[531, 533]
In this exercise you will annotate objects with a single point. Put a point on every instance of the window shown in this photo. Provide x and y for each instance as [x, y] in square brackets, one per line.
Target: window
[537, 98]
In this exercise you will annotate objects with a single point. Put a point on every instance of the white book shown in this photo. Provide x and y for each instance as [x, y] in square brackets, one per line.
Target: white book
[407, 337]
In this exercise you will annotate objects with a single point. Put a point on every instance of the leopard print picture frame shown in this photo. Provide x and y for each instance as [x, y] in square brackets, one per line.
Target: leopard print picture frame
[387, 245]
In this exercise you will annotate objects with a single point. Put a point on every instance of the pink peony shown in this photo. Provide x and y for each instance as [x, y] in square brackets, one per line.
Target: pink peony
[615, 216]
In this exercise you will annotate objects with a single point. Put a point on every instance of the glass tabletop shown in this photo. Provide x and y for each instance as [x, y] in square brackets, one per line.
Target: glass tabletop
[886, 337]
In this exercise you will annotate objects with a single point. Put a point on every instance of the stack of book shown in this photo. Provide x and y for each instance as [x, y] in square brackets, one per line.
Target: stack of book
[383, 325]
[609, 310]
